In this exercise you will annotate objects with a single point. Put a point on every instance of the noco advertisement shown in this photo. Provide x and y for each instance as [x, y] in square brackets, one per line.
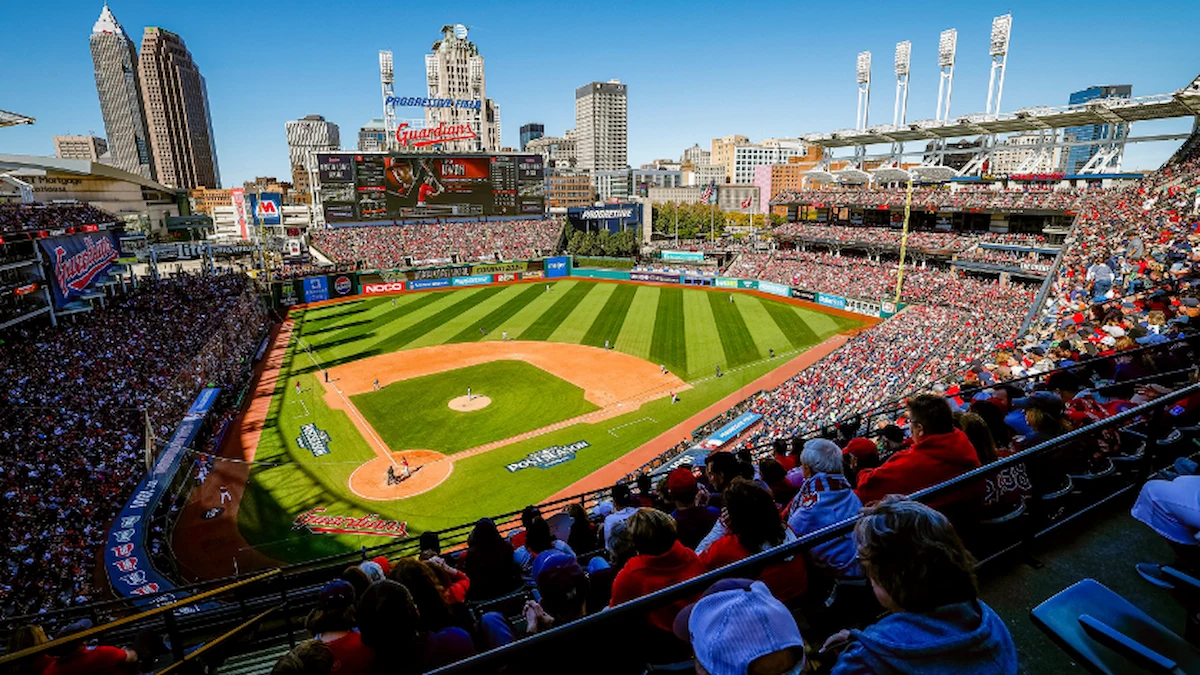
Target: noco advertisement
[358, 188]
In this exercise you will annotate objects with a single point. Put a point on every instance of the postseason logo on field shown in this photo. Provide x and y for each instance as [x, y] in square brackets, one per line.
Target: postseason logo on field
[314, 440]
[548, 457]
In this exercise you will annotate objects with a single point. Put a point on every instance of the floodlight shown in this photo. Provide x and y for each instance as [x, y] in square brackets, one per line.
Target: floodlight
[864, 67]
[903, 52]
[1001, 27]
[385, 67]
[946, 47]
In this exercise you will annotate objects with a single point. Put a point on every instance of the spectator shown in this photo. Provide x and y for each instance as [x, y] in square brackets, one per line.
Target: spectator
[75, 657]
[538, 540]
[754, 526]
[25, 637]
[421, 581]
[1170, 509]
[624, 505]
[774, 476]
[332, 623]
[738, 628]
[720, 469]
[488, 563]
[563, 587]
[925, 578]
[582, 536]
[692, 521]
[939, 452]
[390, 625]
[311, 657]
[661, 561]
[825, 498]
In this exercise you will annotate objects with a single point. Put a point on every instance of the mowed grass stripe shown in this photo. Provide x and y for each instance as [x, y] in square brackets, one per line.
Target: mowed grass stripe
[577, 324]
[822, 324]
[668, 345]
[638, 329]
[522, 320]
[404, 305]
[607, 326]
[442, 334]
[429, 323]
[736, 340]
[551, 319]
[794, 328]
[766, 333]
[704, 342]
[494, 321]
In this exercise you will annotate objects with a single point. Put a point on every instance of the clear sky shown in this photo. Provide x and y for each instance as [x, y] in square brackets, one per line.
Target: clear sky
[695, 70]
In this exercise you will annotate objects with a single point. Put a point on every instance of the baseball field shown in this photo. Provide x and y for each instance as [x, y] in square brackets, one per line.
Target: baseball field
[369, 412]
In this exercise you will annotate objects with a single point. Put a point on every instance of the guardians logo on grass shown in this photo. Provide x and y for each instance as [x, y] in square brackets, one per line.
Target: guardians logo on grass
[314, 440]
[315, 522]
[548, 457]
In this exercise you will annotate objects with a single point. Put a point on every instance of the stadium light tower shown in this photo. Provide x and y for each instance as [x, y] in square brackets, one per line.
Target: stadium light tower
[386, 80]
[947, 46]
[1001, 31]
[900, 110]
[863, 76]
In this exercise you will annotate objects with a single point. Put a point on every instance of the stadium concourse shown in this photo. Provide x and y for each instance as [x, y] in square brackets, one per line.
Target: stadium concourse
[1116, 330]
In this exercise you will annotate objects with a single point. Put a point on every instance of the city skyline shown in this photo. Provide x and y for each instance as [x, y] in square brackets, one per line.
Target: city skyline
[751, 84]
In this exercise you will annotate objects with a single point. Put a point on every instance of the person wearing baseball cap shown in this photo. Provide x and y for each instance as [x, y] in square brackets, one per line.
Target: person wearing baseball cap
[738, 628]
[692, 522]
[75, 657]
[332, 623]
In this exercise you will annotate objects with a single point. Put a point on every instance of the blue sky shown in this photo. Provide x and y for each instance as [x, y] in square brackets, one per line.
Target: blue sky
[695, 70]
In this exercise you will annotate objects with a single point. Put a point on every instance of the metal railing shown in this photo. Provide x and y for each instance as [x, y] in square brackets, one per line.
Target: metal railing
[512, 654]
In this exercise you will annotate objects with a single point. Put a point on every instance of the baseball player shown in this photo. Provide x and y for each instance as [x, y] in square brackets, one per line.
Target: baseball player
[393, 302]
[391, 475]
[674, 398]
[547, 288]
[429, 188]
[606, 344]
[718, 371]
[468, 393]
[376, 384]
[297, 386]
[225, 496]
[504, 336]
[407, 471]
[662, 367]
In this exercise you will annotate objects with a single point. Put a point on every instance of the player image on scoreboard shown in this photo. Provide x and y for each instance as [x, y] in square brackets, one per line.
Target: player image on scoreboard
[437, 186]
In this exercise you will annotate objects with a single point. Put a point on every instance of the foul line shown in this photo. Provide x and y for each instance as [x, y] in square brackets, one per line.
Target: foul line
[613, 430]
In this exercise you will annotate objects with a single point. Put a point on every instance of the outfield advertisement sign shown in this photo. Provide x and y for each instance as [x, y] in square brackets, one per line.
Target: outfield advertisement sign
[316, 289]
[559, 266]
[804, 295]
[774, 288]
[600, 274]
[654, 277]
[473, 280]
[683, 256]
[748, 284]
[834, 301]
[732, 430]
[76, 262]
[385, 287]
[126, 553]
[500, 268]
[548, 457]
[723, 282]
[428, 283]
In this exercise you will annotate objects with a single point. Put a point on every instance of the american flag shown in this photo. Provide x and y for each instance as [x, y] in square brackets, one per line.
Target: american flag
[707, 195]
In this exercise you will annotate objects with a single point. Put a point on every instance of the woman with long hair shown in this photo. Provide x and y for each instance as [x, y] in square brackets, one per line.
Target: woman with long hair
[489, 563]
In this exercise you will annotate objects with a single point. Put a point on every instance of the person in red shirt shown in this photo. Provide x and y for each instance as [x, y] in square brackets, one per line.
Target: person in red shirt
[754, 526]
[76, 658]
[940, 451]
[23, 638]
[332, 623]
[661, 561]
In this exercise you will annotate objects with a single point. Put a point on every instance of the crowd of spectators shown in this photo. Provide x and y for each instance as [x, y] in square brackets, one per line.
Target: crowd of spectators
[940, 198]
[71, 420]
[18, 217]
[392, 245]
[1022, 259]
[873, 237]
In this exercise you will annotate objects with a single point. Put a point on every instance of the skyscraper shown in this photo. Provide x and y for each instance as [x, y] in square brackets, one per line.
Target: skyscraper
[1078, 156]
[114, 59]
[372, 137]
[601, 127]
[185, 153]
[531, 131]
[310, 133]
[455, 71]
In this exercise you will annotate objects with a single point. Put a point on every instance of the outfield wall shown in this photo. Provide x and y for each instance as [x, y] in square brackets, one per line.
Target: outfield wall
[321, 288]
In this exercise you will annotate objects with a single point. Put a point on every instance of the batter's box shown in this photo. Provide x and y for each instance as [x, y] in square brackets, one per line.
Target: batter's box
[613, 430]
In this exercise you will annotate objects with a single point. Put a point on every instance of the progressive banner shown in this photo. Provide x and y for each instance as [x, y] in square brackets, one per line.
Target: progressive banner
[732, 430]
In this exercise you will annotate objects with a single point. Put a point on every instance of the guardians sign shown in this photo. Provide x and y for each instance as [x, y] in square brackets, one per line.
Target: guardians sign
[371, 524]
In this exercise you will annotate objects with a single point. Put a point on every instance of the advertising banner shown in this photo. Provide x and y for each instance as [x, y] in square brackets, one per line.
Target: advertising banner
[683, 256]
[558, 266]
[76, 262]
[432, 273]
[774, 288]
[342, 284]
[748, 283]
[315, 289]
[498, 268]
[600, 274]
[691, 457]
[285, 294]
[723, 282]
[654, 277]
[732, 430]
[126, 553]
[612, 217]
[473, 280]
[266, 207]
[384, 287]
[538, 274]
[833, 301]
[428, 283]
[804, 295]
[238, 196]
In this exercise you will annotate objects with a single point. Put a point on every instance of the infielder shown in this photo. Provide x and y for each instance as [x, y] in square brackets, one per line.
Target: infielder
[225, 496]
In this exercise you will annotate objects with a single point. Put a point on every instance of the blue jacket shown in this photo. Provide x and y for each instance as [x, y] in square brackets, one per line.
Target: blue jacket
[823, 500]
[963, 639]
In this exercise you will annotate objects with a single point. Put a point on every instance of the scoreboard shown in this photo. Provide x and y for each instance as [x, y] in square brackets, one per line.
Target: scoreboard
[365, 187]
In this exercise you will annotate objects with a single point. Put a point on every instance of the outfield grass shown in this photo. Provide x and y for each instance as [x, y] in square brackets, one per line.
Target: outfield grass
[414, 414]
[690, 330]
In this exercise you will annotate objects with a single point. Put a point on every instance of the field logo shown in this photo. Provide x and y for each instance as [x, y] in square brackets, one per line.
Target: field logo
[371, 524]
[548, 457]
[314, 440]
[342, 285]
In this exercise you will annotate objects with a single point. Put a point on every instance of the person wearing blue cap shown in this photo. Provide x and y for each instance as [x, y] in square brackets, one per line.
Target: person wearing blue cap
[923, 575]
[739, 628]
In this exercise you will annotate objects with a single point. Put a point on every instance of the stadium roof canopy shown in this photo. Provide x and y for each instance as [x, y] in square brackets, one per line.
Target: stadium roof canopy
[1182, 103]
[34, 164]
[12, 119]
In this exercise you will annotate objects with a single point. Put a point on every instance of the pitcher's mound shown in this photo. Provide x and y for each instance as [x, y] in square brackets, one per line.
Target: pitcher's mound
[463, 404]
